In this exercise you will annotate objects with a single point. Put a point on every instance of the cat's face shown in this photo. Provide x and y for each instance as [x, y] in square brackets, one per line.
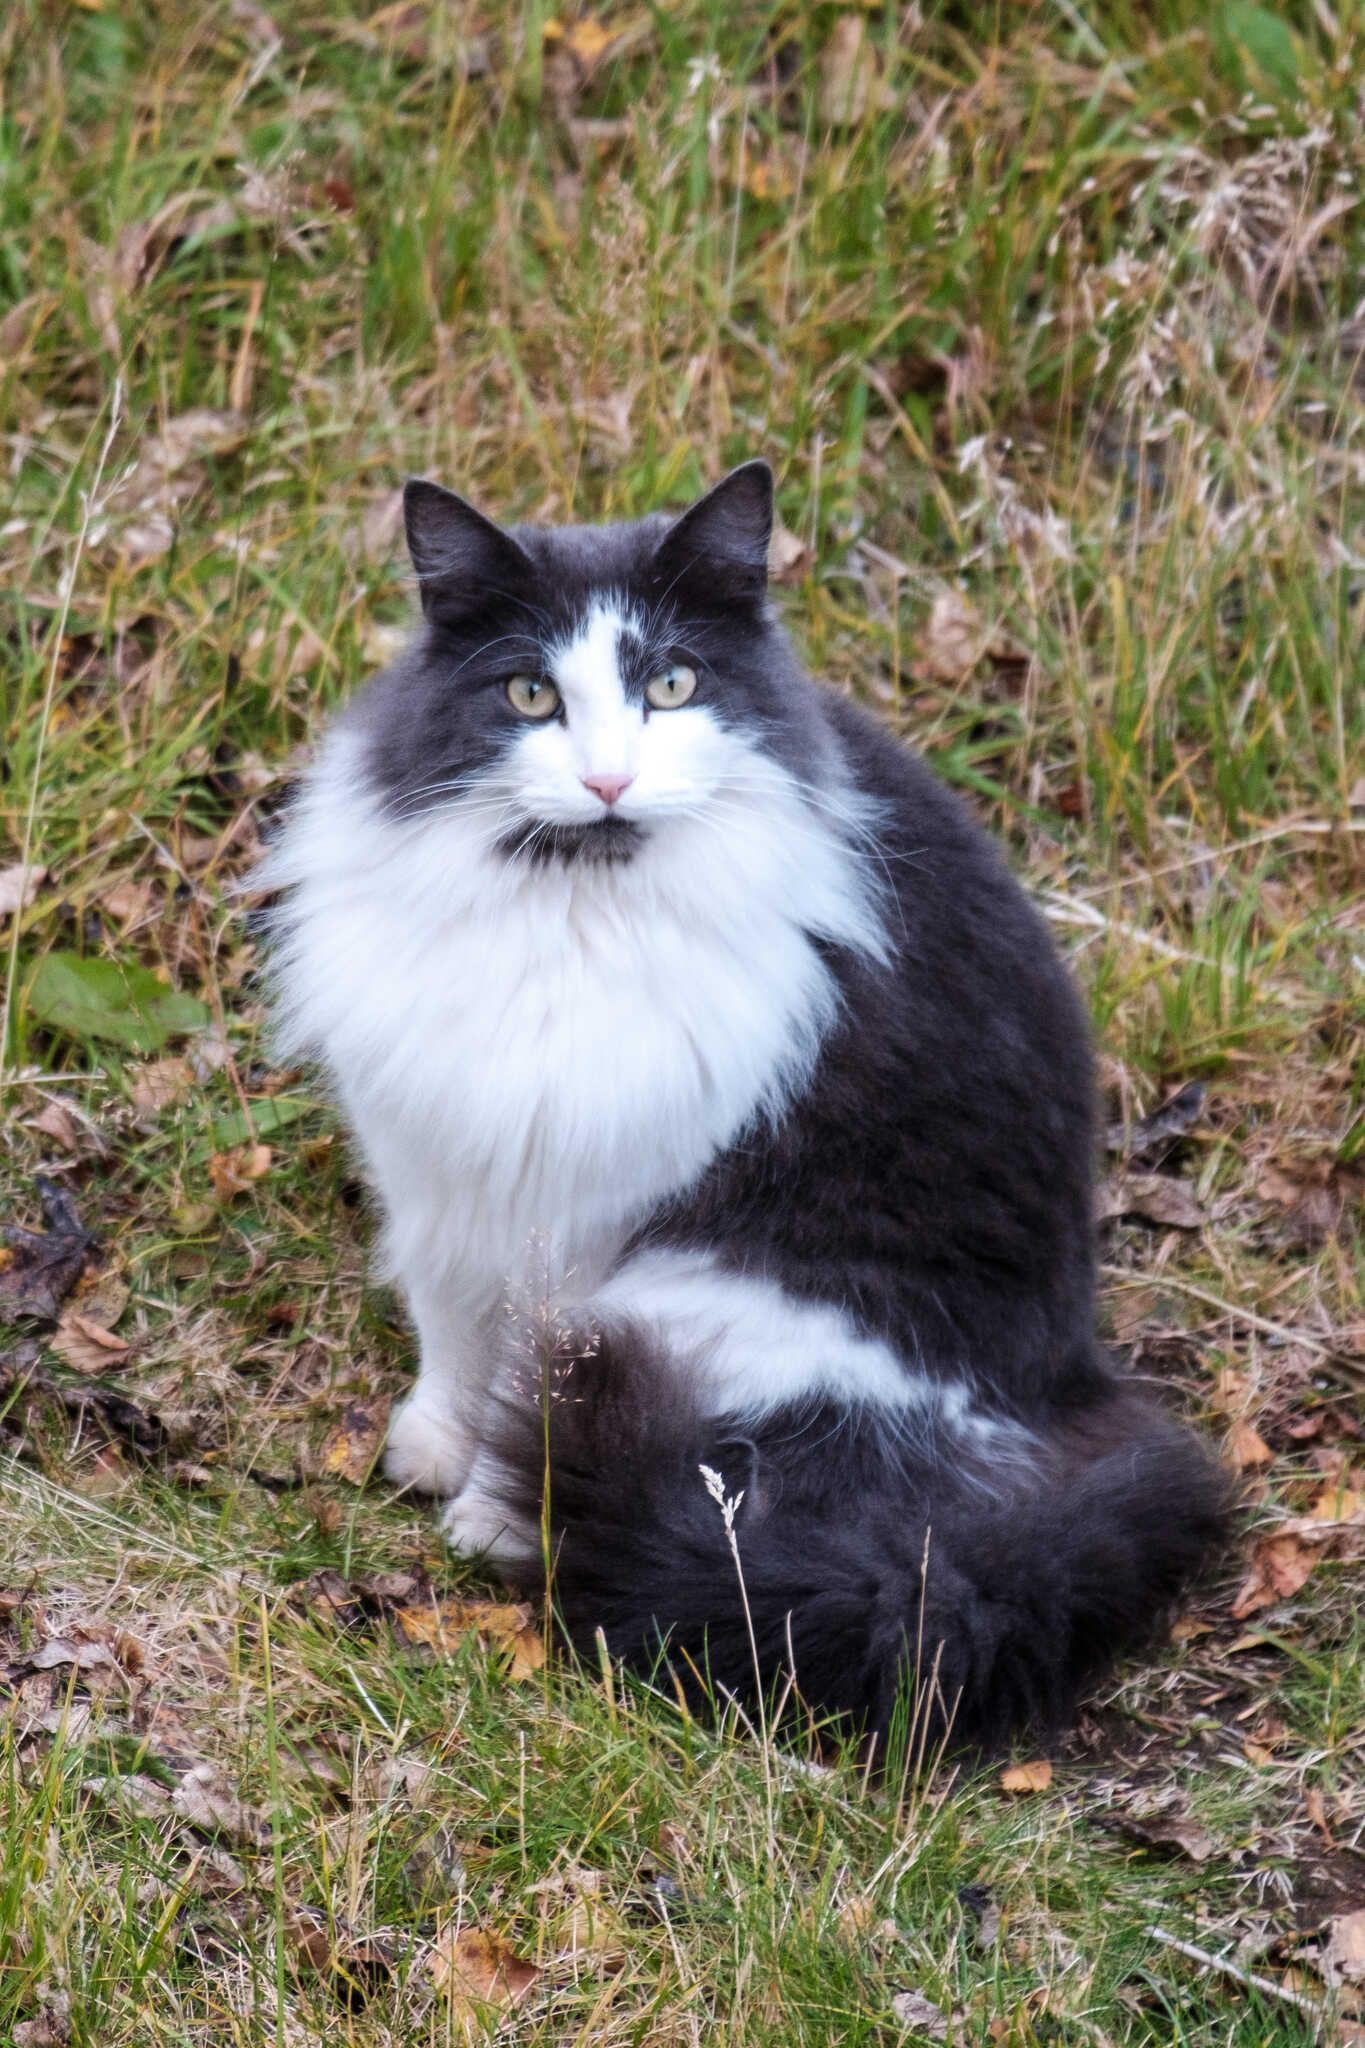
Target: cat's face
[577, 689]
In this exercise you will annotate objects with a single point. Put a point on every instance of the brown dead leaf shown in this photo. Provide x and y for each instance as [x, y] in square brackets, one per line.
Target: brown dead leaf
[1311, 1195]
[926, 2021]
[85, 1345]
[1244, 1448]
[351, 1448]
[1188, 1628]
[160, 1084]
[1035, 1776]
[476, 1972]
[1280, 1566]
[232, 1173]
[587, 1931]
[51, 2028]
[18, 886]
[1343, 1957]
[128, 901]
[39, 1269]
[788, 555]
[206, 1799]
[1153, 1197]
[76, 1135]
[1170, 1832]
[141, 511]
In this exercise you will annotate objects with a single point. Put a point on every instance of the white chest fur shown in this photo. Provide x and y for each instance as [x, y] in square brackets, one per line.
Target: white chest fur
[533, 1057]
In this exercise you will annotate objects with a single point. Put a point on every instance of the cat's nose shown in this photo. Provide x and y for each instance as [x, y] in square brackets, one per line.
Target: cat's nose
[608, 787]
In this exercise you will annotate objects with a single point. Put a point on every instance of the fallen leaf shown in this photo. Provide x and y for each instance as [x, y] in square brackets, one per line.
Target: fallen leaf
[1153, 1197]
[1311, 1195]
[1338, 1503]
[60, 1650]
[351, 1448]
[133, 1791]
[18, 886]
[232, 1173]
[475, 1972]
[587, 40]
[587, 1931]
[39, 1269]
[1245, 1448]
[160, 1084]
[1030, 1777]
[912, 2009]
[954, 638]
[75, 1132]
[1153, 1135]
[848, 73]
[85, 1345]
[1162, 1831]
[51, 2028]
[1343, 1957]
[1315, 1806]
[206, 1799]
[1280, 1565]
[788, 555]
[507, 1627]
[1187, 1629]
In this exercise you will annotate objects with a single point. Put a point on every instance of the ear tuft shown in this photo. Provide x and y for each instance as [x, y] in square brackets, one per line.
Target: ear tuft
[457, 553]
[726, 532]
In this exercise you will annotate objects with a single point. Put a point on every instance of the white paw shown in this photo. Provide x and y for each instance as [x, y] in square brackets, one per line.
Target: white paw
[427, 1448]
[478, 1527]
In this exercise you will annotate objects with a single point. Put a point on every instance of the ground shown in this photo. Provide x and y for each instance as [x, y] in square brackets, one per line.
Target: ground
[1049, 320]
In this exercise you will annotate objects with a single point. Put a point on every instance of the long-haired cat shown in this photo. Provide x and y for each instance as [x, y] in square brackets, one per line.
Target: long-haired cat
[729, 1108]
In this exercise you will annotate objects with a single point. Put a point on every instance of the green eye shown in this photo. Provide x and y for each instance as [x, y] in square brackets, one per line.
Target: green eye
[674, 687]
[533, 697]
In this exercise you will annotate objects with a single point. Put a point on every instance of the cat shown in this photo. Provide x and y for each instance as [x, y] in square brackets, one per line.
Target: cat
[731, 1116]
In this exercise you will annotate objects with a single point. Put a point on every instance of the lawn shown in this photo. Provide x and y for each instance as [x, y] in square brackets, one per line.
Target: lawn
[1050, 318]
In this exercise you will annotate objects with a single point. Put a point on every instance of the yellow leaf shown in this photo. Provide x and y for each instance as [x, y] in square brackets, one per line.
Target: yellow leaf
[1030, 1777]
[505, 1626]
[352, 1446]
[475, 1972]
[586, 40]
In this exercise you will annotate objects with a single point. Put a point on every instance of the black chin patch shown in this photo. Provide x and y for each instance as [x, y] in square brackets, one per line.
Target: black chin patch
[610, 841]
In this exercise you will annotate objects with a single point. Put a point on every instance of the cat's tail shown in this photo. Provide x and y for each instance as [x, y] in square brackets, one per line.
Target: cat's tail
[985, 1574]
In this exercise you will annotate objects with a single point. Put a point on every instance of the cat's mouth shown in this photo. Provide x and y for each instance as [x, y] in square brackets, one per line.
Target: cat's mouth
[606, 841]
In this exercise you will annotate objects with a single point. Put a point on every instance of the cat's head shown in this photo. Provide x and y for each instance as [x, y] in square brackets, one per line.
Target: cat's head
[578, 688]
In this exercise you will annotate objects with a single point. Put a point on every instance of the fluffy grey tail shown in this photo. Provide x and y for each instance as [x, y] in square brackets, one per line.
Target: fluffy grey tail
[870, 1566]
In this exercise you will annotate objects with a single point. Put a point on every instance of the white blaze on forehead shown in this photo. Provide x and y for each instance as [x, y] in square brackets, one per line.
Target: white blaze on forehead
[604, 728]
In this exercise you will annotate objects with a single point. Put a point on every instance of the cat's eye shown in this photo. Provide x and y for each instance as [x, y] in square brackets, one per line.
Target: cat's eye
[533, 696]
[672, 688]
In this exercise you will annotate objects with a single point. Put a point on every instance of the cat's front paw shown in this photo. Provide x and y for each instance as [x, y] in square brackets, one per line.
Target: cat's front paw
[476, 1526]
[427, 1448]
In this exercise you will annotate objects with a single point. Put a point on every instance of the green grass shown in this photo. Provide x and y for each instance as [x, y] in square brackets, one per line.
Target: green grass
[1049, 324]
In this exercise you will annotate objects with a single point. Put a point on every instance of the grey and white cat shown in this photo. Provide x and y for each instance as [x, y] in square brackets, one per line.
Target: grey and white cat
[661, 988]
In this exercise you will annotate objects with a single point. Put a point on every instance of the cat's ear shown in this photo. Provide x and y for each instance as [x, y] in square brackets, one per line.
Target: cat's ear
[724, 534]
[459, 555]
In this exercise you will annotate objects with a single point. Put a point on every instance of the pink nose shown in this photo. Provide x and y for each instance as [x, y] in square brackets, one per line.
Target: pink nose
[608, 787]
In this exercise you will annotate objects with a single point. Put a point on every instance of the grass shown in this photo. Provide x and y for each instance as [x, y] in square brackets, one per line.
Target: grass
[1048, 319]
